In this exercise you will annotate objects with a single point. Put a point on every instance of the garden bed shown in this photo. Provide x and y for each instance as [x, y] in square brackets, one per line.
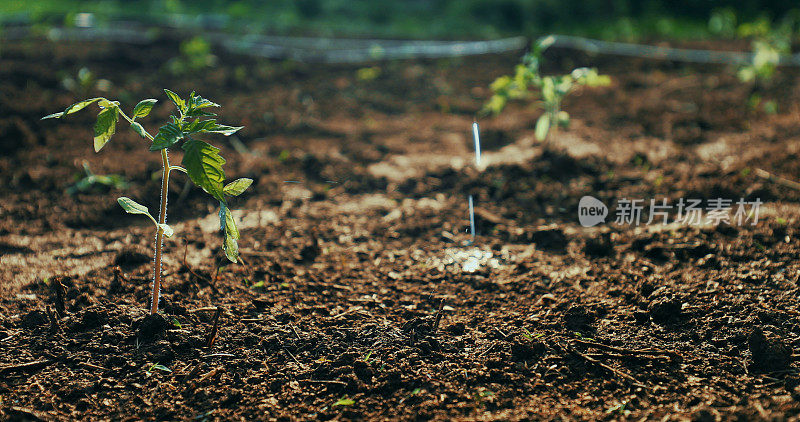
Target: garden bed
[353, 301]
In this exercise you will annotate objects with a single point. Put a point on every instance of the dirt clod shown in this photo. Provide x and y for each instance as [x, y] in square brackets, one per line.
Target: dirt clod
[665, 309]
[579, 318]
[526, 350]
[132, 256]
[768, 353]
[152, 327]
[34, 319]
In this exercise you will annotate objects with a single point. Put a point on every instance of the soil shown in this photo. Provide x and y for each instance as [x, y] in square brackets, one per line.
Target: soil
[353, 300]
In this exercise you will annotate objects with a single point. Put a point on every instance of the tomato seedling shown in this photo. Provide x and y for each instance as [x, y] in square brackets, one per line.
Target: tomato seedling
[551, 89]
[201, 162]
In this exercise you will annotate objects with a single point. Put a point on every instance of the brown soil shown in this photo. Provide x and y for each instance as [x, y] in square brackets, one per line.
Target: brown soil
[352, 302]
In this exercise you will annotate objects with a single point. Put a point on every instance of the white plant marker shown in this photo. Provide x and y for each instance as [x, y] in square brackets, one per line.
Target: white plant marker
[471, 219]
[476, 135]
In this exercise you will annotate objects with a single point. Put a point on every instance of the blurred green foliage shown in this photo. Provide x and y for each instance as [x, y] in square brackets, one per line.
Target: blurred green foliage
[547, 91]
[610, 19]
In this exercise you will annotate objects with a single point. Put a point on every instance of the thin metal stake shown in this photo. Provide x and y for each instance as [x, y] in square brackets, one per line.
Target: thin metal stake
[476, 135]
[471, 219]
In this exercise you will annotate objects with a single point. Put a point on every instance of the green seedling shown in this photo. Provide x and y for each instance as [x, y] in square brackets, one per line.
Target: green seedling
[159, 367]
[201, 162]
[769, 43]
[528, 82]
[195, 56]
[84, 82]
[91, 180]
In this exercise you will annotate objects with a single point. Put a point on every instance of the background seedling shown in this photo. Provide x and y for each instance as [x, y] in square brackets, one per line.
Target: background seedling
[91, 180]
[770, 41]
[201, 162]
[528, 80]
[195, 56]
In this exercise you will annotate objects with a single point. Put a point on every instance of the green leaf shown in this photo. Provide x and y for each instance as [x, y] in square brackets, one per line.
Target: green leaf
[73, 108]
[132, 207]
[211, 126]
[563, 119]
[143, 108]
[178, 101]
[199, 113]
[229, 225]
[197, 125]
[542, 127]
[104, 103]
[81, 105]
[344, 402]
[225, 130]
[238, 186]
[204, 166]
[139, 129]
[197, 102]
[53, 116]
[105, 127]
[548, 89]
[167, 136]
[160, 367]
[230, 233]
[231, 248]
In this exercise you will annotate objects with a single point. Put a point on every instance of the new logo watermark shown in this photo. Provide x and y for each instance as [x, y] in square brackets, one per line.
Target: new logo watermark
[691, 212]
[591, 211]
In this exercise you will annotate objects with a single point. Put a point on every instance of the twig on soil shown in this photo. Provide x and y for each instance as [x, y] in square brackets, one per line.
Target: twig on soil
[54, 327]
[193, 373]
[488, 349]
[28, 366]
[209, 374]
[293, 358]
[777, 179]
[438, 317]
[60, 295]
[616, 372]
[342, 383]
[629, 352]
[611, 355]
[349, 311]
[203, 309]
[219, 355]
[93, 366]
[294, 330]
[212, 336]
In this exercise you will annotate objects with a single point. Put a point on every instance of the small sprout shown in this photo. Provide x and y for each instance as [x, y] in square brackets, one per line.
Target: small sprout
[201, 162]
[551, 90]
[769, 44]
[344, 402]
[92, 180]
[195, 56]
[619, 408]
[175, 323]
[159, 367]
[368, 73]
